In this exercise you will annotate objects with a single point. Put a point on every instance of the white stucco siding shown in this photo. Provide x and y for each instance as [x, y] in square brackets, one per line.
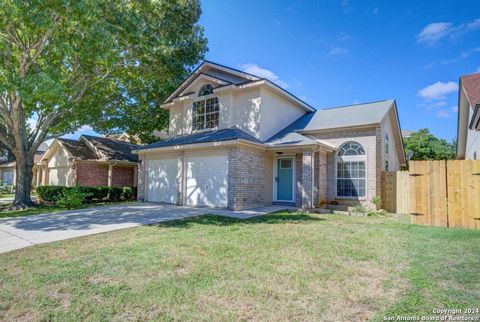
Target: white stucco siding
[176, 119]
[276, 113]
[246, 111]
[473, 141]
[368, 139]
[60, 176]
[60, 158]
[388, 127]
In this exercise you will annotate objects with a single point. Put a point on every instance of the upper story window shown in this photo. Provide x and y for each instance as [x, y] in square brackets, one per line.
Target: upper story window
[205, 112]
[386, 143]
[206, 89]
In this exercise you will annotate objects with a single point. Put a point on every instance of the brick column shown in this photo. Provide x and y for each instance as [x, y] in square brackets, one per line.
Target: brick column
[307, 179]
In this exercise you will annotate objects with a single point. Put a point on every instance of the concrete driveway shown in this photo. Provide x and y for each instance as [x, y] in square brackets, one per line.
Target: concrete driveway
[16, 233]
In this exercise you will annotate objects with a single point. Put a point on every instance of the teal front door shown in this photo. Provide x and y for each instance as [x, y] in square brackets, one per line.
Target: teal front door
[284, 179]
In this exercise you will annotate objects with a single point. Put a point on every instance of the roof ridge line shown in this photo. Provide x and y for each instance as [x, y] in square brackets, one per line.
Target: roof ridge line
[350, 105]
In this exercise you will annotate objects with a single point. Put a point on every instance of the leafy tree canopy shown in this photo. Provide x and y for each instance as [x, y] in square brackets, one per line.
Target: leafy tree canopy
[108, 64]
[425, 146]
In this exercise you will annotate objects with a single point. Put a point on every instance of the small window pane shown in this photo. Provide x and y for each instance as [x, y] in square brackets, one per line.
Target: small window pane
[349, 149]
[285, 164]
[205, 90]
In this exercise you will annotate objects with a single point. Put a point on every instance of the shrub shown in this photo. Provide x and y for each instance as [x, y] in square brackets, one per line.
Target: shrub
[115, 193]
[49, 193]
[128, 193]
[54, 193]
[70, 198]
[377, 201]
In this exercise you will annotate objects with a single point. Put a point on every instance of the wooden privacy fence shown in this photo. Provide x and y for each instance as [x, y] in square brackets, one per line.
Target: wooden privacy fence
[439, 193]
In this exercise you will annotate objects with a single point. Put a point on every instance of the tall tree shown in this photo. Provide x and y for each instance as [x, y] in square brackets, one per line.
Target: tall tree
[103, 63]
[425, 146]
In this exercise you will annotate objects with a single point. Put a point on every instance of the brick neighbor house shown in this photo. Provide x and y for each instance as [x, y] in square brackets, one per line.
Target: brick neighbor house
[89, 161]
[8, 171]
[240, 141]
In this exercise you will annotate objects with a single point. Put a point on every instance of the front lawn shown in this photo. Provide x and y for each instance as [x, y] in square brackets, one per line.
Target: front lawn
[43, 209]
[278, 267]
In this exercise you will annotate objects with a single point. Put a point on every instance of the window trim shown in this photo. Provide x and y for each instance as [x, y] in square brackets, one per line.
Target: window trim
[204, 99]
[351, 158]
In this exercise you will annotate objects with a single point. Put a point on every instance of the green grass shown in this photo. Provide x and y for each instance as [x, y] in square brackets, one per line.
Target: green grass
[7, 195]
[43, 209]
[284, 266]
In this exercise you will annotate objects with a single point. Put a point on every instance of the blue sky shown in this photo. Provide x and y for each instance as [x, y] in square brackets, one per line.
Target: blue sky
[334, 53]
[339, 52]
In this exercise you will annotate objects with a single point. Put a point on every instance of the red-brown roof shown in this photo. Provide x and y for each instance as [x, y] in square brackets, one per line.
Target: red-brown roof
[471, 85]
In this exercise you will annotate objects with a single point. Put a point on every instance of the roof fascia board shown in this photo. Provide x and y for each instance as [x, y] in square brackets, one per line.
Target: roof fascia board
[462, 123]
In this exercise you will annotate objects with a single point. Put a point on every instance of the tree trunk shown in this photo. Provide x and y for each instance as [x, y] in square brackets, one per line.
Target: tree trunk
[24, 167]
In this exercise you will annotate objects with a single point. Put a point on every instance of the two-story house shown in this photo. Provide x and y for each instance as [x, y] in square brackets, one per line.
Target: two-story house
[240, 141]
[468, 126]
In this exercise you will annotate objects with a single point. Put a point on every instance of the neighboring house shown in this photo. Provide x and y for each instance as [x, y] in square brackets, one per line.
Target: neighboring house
[241, 141]
[8, 171]
[89, 161]
[407, 133]
[468, 126]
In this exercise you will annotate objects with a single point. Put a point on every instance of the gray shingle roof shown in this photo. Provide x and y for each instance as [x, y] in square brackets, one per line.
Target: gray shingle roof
[232, 133]
[78, 149]
[292, 138]
[113, 149]
[338, 117]
[109, 149]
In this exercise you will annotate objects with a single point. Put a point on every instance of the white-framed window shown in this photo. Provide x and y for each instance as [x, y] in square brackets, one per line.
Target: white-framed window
[205, 111]
[351, 171]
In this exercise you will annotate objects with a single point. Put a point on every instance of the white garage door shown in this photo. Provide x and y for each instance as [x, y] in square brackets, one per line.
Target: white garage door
[161, 180]
[207, 181]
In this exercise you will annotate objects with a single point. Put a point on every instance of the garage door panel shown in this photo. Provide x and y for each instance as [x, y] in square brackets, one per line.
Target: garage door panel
[162, 183]
[206, 181]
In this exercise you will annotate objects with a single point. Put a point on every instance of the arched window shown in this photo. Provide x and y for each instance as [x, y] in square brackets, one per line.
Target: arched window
[205, 111]
[351, 170]
[206, 89]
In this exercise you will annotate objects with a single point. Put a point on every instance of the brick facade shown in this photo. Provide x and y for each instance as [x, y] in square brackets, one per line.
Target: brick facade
[91, 174]
[370, 139]
[123, 176]
[246, 178]
[96, 174]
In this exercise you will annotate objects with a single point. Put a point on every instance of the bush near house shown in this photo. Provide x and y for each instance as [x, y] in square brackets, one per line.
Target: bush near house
[99, 193]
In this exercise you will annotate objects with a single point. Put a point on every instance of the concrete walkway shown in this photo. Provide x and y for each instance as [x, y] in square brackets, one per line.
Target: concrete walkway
[20, 232]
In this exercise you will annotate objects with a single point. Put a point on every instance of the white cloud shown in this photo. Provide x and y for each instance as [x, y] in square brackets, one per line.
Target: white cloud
[478, 70]
[445, 113]
[256, 70]
[474, 24]
[337, 51]
[438, 90]
[434, 32]
[343, 36]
